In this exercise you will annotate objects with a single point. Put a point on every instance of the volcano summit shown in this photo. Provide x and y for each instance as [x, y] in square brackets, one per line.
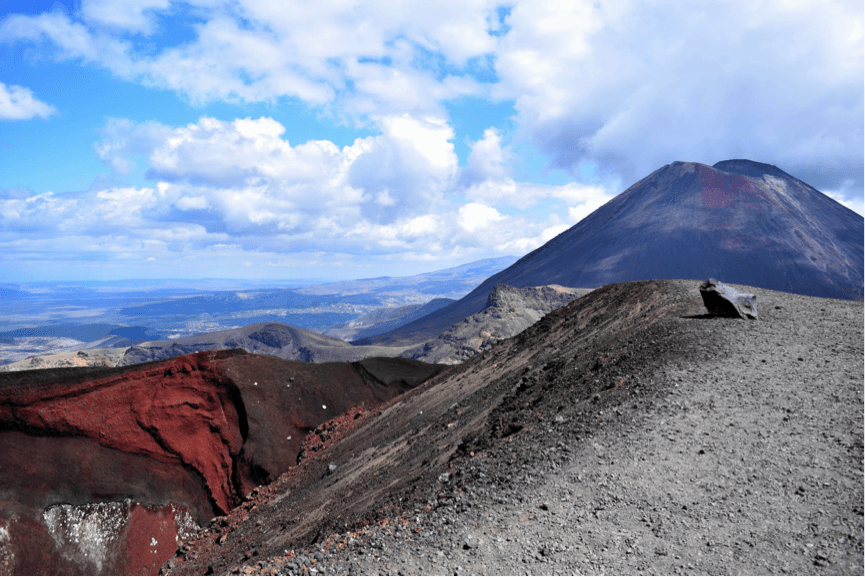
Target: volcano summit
[740, 221]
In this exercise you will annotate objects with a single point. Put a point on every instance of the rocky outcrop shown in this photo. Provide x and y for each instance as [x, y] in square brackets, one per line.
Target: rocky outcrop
[92, 459]
[509, 311]
[73, 358]
[724, 301]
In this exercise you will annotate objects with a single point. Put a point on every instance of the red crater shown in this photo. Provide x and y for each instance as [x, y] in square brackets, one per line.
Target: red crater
[152, 442]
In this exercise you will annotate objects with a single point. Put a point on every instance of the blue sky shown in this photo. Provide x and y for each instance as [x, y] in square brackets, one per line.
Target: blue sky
[260, 140]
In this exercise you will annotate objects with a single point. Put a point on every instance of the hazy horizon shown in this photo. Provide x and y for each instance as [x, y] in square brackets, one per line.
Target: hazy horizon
[166, 139]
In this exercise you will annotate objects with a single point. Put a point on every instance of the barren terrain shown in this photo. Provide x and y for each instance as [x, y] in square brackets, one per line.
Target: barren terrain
[627, 432]
[103, 470]
[509, 311]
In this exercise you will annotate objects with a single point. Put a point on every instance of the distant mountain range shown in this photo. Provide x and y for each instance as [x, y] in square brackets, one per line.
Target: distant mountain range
[738, 221]
[447, 282]
[508, 312]
[283, 341]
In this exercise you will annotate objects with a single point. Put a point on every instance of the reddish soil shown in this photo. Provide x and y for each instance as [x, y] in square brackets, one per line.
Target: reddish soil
[194, 433]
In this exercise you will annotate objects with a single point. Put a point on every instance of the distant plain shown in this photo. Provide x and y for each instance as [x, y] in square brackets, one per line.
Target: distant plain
[52, 317]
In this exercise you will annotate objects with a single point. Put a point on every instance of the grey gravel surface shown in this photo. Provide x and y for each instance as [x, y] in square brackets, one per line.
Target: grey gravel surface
[744, 456]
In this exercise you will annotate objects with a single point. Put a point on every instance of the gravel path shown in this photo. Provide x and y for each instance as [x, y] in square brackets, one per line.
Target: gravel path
[742, 456]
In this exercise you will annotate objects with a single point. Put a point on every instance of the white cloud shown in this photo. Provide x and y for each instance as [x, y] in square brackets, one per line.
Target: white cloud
[123, 140]
[473, 216]
[394, 193]
[241, 183]
[611, 89]
[630, 85]
[257, 51]
[131, 15]
[488, 159]
[429, 137]
[635, 85]
[259, 183]
[550, 233]
[122, 206]
[18, 103]
[507, 192]
[192, 203]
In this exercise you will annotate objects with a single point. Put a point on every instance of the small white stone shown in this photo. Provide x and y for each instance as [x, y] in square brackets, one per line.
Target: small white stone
[324, 406]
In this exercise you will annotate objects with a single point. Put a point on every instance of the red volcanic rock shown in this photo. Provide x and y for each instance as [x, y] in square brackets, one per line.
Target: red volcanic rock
[99, 466]
[175, 412]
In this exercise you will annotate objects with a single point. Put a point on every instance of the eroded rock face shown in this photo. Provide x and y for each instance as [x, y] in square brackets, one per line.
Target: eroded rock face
[103, 470]
[725, 301]
[182, 413]
[509, 311]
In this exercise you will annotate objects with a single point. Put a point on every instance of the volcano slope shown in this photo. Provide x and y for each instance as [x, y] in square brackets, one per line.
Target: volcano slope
[739, 221]
[627, 432]
[102, 471]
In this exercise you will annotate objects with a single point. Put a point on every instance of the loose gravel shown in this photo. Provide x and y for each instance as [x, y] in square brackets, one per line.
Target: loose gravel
[742, 455]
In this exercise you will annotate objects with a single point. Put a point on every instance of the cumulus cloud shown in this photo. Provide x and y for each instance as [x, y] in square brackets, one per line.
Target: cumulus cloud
[488, 160]
[246, 170]
[242, 184]
[473, 216]
[626, 86]
[123, 140]
[607, 92]
[523, 195]
[377, 58]
[18, 103]
[632, 85]
[249, 180]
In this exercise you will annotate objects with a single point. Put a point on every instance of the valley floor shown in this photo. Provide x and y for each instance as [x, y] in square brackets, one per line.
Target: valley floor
[746, 458]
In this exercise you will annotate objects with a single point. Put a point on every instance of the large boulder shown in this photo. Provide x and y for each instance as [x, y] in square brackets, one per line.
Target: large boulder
[724, 301]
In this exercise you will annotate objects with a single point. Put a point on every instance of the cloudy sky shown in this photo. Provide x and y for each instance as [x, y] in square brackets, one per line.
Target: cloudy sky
[279, 140]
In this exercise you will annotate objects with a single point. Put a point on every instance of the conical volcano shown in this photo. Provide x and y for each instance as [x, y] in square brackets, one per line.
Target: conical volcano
[738, 221]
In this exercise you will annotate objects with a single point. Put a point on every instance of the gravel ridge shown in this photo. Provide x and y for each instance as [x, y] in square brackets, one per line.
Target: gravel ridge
[709, 446]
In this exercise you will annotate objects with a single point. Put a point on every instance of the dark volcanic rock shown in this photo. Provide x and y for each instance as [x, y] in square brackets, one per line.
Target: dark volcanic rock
[742, 221]
[134, 457]
[724, 301]
[407, 446]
